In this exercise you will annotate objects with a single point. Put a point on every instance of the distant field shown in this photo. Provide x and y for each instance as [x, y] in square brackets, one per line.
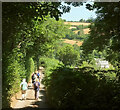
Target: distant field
[71, 27]
[77, 23]
[79, 43]
[76, 31]
[74, 24]
[86, 31]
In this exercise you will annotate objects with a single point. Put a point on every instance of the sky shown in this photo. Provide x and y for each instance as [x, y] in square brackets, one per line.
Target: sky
[77, 13]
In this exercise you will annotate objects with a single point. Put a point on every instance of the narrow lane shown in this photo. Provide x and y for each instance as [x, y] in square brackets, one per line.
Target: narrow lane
[30, 102]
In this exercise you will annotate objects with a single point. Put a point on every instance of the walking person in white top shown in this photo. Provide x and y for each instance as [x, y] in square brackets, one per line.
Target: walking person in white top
[24, 87]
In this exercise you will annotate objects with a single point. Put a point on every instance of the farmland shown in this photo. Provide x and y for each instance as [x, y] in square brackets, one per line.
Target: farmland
[79, 30]
[74, 25]
[77, 23]
[79, 43]
[86, 31]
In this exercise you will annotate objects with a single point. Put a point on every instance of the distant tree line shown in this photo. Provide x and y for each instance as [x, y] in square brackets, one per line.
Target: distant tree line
[89, 20]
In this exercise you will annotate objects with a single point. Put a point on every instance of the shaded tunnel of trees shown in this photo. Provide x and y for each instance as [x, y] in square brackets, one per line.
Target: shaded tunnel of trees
[31, 37]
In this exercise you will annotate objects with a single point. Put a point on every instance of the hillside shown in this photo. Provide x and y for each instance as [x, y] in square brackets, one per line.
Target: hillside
[77, 23]
[74, 25]
[79, 43]
[80, 31]
[86, 31]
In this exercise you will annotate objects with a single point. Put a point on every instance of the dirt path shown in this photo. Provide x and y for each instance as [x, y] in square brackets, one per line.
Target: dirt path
[30, 103]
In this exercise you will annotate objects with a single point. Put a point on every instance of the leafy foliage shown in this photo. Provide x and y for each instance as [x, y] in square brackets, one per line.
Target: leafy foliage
[23, 34]
[49, 64]
[11, 79]
[30, 67]
[29, 40]
[105, 32]
[81, 27]
[68, 55]
[81, 88]
[47, 33]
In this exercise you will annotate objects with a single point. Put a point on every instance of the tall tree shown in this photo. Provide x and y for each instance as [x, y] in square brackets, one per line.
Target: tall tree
[67, 54]
[105, 32]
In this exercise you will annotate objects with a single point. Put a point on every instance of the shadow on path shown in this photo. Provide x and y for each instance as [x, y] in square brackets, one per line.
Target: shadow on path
[30, 103]
[40, 104]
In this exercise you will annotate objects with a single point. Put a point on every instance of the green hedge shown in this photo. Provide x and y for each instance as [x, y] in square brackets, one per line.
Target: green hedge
[30, 67]
[49, 64]
[11, 80]
[12, 74]
[81, 89]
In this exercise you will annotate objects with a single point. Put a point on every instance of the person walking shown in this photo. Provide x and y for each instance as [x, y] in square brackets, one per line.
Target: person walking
[37, 88]
[24, 87]
[33, 77]
[38, 76]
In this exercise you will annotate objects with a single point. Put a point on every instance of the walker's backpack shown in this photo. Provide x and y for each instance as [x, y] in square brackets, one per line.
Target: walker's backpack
[33, 76]
[38, 75]
[36, 85]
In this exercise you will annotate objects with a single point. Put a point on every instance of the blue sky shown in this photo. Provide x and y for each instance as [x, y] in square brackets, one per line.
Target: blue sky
[77, 13]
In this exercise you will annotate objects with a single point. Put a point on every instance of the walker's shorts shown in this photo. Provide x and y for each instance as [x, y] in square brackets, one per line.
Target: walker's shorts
[23, 91]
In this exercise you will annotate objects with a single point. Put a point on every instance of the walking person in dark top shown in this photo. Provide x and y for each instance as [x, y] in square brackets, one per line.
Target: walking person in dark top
[38, 76]
[37, 88]
[34, 76]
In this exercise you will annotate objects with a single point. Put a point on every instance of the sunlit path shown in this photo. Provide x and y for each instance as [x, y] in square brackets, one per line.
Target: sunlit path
[30, 102]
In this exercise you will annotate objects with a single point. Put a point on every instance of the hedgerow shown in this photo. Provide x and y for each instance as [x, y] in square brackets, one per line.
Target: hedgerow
[81, 88]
